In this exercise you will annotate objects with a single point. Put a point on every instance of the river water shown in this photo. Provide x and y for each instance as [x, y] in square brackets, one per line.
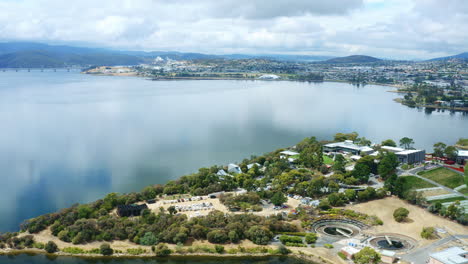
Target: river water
[68, 137]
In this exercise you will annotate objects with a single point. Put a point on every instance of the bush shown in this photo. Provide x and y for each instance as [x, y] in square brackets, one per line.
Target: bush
[311, 238]
[73, 250]
[148, 239]
[428, 233]
[290, 239]
[328, 246]
[219, 249]
[217, 236]
[283, 250]
[400, 214]
[259, 235]
[51, 247]
[136, 251]
[292, 244]
[342, 255]
[162, 250]
[106, 250]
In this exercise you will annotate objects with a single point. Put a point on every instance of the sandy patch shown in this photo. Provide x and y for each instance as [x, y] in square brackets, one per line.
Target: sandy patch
[419, 218]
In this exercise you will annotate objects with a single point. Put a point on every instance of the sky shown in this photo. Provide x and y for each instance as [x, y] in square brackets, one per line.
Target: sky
[398, 29]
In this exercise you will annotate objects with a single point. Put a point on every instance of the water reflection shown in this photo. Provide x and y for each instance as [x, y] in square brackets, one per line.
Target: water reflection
[70, 138]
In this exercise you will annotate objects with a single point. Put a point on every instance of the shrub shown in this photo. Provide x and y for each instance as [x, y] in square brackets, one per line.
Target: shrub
[162, 250]
[290, 239]
[51, 247]
[328, 246]
[136, 251]
[219, 249]
[292, 244]
[400, 214]
[148, 239]
[428, 233]
[106, 250]
[38, 245]
[73, 250]
[311, 238]
[342, 255]
[217, 236]
[283, 250]
[259, 235]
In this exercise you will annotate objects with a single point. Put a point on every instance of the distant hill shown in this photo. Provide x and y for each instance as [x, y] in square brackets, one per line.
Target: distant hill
[463, 56]
[49, 59]
[33, 55]
[354, 59]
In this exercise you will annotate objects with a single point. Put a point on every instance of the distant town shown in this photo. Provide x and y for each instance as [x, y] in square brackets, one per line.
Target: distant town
[437, 84]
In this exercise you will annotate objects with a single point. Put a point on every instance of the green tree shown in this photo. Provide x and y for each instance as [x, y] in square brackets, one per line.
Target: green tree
[439, 149]
[335, 199]
[217, 236]
[343, 136]
[312, 156]
[367, 255]
[389, 143]
[361, 171]
[278, 199]
[406, 142]
[259, 235]
[51, 247]
[451, 152]
[387, 165]
[400, 214]
[172, 210]
[350, 194]
[106, 250]
[362, 141]
[339, 164]
[148, 239]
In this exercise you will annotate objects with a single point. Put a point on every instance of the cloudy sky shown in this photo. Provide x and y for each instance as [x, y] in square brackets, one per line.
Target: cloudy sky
[402, 29]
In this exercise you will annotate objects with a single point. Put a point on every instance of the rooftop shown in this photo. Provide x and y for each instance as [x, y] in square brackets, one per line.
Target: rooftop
[453, 255]
[289, 153]
[463, 153]
[350, 145]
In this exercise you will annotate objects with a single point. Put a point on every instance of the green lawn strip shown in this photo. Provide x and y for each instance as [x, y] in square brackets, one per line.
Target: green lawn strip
[327, 160]
[447, 200]
[444, 176]
[464, 190]
[414, 183]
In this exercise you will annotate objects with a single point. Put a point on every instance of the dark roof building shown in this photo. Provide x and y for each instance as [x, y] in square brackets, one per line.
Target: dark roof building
[131, 210]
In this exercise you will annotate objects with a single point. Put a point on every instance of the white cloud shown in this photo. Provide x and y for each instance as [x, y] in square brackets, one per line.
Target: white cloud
[393, 28]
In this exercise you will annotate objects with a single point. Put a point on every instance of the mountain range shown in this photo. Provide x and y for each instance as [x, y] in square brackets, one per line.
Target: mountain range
[38, 55]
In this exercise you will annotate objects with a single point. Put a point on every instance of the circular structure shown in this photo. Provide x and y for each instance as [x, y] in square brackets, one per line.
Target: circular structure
[393, 242]
[337, 228]
[337, 231]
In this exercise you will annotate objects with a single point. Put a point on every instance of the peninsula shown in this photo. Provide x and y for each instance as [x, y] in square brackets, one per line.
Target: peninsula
[323, 201]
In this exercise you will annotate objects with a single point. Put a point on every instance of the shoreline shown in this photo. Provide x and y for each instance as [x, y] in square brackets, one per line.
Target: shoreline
[297, 255]
[459, 109]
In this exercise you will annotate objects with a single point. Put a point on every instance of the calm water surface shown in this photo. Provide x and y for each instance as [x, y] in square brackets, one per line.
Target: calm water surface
[67, 137]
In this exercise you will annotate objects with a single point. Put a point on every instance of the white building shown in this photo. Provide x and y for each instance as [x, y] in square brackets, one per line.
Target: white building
[233, 168]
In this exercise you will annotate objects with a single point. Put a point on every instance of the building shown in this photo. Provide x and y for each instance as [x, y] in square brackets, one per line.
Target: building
[347, 146]
[462, 156]
[233, 168]
[349, 251]
[409, 156]
[387, 256]
[453, 255]
[131, 210]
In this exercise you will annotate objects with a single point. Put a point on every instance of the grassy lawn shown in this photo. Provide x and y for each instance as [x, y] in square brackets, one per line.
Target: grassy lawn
[444, 176]
[453, 199]
[413, 183]
[464, 190]
[327, 160]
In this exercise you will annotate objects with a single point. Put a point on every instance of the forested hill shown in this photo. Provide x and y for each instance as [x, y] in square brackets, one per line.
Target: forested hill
[354, 59]
[51, 59]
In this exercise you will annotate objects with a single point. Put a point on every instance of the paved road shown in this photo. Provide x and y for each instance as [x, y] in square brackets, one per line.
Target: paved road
[413, 172]
[422, 254]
